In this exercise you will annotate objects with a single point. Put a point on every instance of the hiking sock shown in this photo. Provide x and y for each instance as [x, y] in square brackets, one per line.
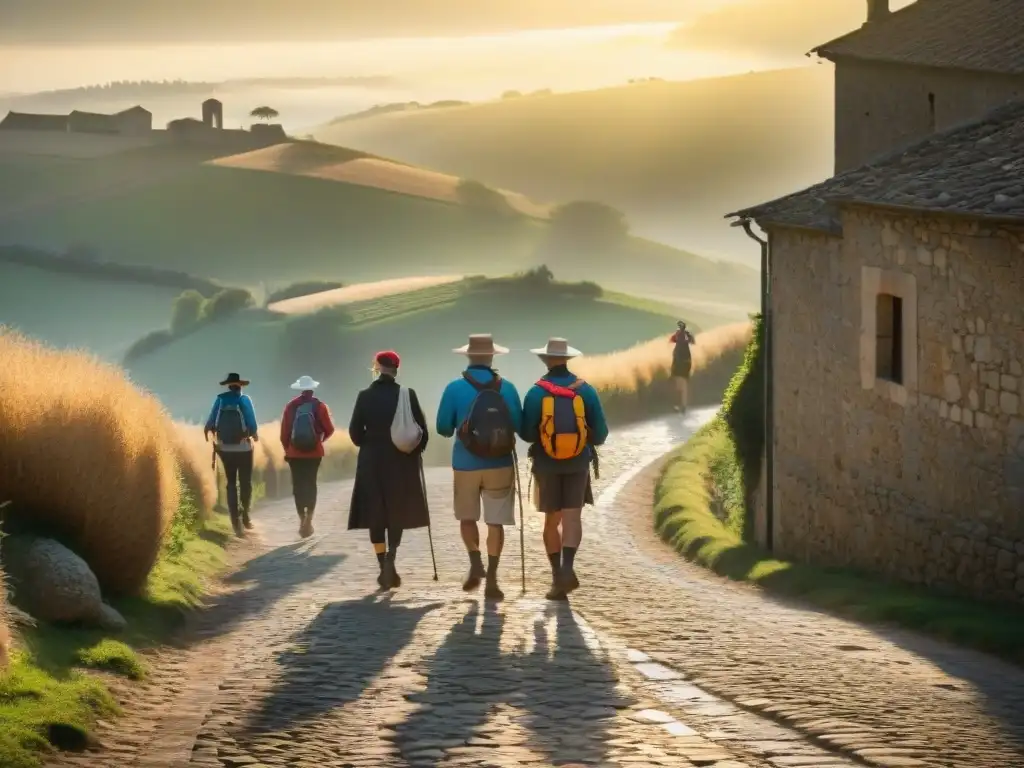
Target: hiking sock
[476, 561]
[381, 557]
[492, 567]
[568, 557]
[555, 558]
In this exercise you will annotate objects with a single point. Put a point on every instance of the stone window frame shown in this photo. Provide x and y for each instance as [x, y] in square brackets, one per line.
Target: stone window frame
[875, 281]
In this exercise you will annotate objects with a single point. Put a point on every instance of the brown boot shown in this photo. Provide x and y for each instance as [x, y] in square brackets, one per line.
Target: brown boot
[567, 581]
[492, 591]
[476, 573]
[236, 525]
[246, 522]
[555, 593]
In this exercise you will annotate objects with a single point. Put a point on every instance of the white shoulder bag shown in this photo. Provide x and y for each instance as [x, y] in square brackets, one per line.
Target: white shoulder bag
[405, 432]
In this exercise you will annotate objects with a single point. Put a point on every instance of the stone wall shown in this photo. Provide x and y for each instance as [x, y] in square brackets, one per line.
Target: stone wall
[882, 107]
[924, 481]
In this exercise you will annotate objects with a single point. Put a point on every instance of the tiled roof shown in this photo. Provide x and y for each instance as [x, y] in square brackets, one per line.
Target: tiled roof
[975, 169]
[983, 35]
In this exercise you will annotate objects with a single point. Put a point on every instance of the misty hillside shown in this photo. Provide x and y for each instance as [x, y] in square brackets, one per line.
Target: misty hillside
[104, 21]
[774, 26]
[674, 157]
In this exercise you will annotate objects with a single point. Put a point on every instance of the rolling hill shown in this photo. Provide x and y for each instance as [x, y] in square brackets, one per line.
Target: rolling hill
[674, 156]
[104, 317]
[337, 345]
[298, 213]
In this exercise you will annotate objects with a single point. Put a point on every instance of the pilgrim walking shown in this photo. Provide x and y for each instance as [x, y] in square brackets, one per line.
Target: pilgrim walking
[388, 496]
[232, 421]
[305, 425]
[563, 421]
[484, 411]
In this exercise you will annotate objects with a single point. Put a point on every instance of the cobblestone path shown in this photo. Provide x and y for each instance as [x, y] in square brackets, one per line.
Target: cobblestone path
[655, 663]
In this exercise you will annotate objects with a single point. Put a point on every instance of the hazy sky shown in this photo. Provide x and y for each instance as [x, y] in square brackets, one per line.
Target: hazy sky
[119, 21]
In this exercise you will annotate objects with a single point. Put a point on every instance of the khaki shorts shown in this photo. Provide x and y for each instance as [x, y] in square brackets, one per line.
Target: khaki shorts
[493, 490]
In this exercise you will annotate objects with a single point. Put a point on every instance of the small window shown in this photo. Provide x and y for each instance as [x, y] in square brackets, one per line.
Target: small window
[889, 338]
[931, 111]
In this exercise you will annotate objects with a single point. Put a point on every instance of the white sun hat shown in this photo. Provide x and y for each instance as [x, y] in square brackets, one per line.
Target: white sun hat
[557, 347]
[304, 383]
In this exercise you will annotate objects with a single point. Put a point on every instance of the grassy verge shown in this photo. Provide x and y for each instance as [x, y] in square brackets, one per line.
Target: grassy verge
[48, 700]
[699, 510]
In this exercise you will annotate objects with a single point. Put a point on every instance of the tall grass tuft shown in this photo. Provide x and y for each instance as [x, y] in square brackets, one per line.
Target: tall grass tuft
[87, 458]
[634, 382]
[5, 632]
[194, 455]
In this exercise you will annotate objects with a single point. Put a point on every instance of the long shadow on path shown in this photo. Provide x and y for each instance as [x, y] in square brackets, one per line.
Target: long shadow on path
[335, 658]
[467, 678]
[569, 692]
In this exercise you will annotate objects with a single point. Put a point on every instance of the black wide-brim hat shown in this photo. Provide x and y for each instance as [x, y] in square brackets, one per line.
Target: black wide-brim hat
[234, 378]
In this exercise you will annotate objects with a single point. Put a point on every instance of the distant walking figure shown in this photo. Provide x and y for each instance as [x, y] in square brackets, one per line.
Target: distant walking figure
[563, 421]
[682, 362]
[305, 426]
[388, 496]
[484, 411]
[232, 421]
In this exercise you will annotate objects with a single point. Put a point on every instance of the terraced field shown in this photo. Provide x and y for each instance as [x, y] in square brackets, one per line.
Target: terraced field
[401, 304]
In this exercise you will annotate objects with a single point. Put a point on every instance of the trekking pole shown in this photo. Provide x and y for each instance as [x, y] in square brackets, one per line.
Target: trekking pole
[522, 520]
[430, 535]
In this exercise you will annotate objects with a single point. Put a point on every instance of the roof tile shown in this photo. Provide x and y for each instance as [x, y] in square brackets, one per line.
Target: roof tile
[986, 35]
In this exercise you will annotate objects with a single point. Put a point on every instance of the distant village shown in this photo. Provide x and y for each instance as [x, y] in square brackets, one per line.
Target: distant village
[136, 123]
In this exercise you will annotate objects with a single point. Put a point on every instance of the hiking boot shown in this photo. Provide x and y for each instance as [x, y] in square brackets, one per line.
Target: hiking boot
[246, 522]
[567, 581]
[555, 593]
[306, 526]
[388, 576]
[236, 525]
[476, 573]
[492, 591]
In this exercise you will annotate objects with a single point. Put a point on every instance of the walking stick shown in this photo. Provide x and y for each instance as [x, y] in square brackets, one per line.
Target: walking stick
[430, 535]
[522, 520]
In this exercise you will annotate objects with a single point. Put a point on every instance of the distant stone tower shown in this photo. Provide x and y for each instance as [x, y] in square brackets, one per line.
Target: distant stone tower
[213, 113]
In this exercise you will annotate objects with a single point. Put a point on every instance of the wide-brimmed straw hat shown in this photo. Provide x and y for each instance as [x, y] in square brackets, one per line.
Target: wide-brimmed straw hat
[557, 347]
[234, 378]
[304, 383]
[481, 344]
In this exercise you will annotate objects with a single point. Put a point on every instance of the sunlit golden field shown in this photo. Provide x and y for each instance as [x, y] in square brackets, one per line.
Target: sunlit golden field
[302, 305]
[331, 163]
[97, 464]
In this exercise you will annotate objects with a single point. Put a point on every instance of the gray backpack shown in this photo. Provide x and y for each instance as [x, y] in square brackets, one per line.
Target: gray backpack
[304, 432]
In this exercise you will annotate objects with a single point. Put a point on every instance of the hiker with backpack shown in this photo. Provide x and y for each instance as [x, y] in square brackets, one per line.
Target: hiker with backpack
[483, 411]
[563, 421]
[682, 362]
[232, 421]
[388, 496]
[305, 426]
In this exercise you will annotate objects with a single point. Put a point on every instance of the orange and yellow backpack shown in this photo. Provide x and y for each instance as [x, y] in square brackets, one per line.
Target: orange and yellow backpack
[563, 420]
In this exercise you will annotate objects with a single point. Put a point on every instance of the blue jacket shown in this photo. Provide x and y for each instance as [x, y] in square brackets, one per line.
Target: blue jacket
[235, 398]
[456, 400]
[596, 424]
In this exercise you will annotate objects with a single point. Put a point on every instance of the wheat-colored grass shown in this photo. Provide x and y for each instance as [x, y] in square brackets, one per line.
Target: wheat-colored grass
[86, 454]
[195, 456]
[320, 161]
[302, 305]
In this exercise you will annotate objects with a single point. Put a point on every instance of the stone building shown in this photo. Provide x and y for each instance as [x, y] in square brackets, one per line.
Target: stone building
[25, 121]
[925, 68]
[898, 331]
[896, 308]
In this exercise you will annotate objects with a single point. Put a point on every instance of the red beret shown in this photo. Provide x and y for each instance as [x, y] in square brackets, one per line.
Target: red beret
[388, 359]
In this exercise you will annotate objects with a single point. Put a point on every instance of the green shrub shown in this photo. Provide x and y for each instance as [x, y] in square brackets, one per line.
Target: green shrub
[743, 412]
[147, 344]
[304, 288]
[187, 313]
[227, 302]
[315, 339]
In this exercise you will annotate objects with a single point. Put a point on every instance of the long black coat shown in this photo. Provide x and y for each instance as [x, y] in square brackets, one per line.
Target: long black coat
[387, 490]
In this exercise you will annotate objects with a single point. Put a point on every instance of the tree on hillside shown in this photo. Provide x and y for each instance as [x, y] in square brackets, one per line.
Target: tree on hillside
[480, 197]
[264, 113]
[588, 224]
[188, 310]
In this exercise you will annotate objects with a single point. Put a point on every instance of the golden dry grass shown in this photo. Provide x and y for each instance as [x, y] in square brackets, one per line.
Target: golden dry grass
[87, 455]
[635, 381]
[321, 161]
[194, 455]
[302, 305]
